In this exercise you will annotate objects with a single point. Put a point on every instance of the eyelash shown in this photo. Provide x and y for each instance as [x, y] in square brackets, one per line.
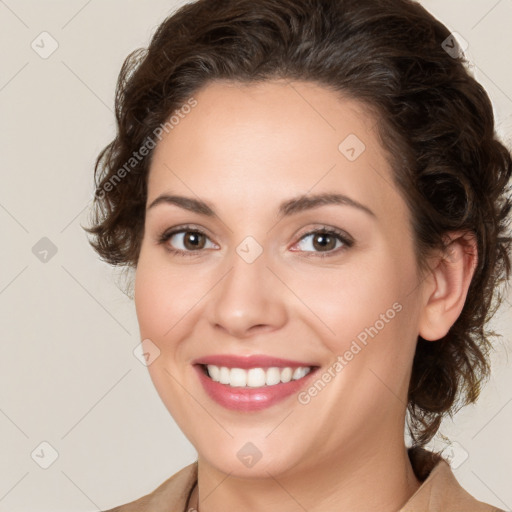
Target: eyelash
[338, 234]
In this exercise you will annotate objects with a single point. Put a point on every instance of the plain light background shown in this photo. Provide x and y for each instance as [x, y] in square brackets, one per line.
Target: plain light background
[69, 377]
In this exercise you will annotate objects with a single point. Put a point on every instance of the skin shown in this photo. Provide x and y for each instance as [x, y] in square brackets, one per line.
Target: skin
[244, 149]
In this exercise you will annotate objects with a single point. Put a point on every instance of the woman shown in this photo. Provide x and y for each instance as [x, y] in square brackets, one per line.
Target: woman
[314, 202]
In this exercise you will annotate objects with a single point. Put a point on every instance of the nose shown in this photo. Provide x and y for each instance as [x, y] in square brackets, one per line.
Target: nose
[249, 299]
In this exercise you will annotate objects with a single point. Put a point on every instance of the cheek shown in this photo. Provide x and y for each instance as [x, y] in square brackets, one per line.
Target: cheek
[164, 296]
[347, 300]
[162, 300]
[151, 302]
[370, 314]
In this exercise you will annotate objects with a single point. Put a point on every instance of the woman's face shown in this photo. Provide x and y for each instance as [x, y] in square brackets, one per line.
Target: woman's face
[250, 277]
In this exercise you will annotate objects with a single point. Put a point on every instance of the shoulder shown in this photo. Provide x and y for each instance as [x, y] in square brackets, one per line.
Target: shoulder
[440, 491]
[170, 495]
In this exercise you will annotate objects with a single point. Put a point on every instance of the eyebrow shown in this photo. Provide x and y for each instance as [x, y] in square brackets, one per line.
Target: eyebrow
[287, 208]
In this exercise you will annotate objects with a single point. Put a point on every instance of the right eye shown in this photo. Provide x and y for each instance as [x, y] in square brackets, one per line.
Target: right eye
[188, 240]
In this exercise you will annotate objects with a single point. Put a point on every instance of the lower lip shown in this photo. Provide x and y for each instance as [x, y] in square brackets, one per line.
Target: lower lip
[246, 398]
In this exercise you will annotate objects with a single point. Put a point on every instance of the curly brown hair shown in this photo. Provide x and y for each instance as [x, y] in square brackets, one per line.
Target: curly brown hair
[435, 121]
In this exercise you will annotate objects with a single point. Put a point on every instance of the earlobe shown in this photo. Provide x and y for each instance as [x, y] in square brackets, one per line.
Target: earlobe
[447, 285]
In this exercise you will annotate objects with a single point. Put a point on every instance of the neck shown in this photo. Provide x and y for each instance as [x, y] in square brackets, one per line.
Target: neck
[380, 481]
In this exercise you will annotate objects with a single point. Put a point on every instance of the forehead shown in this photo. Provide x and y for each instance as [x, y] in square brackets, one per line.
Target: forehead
[273, 139]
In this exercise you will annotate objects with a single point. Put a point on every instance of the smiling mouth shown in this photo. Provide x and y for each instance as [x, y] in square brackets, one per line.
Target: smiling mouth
[255, 377]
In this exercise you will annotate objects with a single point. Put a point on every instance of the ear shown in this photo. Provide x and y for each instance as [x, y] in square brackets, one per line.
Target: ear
[446, 286]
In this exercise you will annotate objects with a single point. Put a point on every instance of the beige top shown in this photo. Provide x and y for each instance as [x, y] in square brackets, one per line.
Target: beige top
[439, 491]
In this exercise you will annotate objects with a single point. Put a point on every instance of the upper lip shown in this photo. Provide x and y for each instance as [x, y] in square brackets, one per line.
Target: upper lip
[251, 361]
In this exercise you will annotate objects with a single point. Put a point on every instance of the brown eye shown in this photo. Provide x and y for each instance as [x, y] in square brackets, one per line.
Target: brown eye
[323, 241]
[185, 241]
[192, 240]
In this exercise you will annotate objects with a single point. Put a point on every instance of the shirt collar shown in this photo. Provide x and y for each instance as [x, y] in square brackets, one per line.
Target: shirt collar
[439, 490]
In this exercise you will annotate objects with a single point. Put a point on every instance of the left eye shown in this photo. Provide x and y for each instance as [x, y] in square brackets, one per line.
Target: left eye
[322, 241]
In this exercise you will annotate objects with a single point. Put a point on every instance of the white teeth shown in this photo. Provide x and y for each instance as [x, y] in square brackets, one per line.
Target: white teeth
[299, 373]
[286, 374]
[255, 377]
[238, 377]
[223, 375]
[214, 372]
[273, 376]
